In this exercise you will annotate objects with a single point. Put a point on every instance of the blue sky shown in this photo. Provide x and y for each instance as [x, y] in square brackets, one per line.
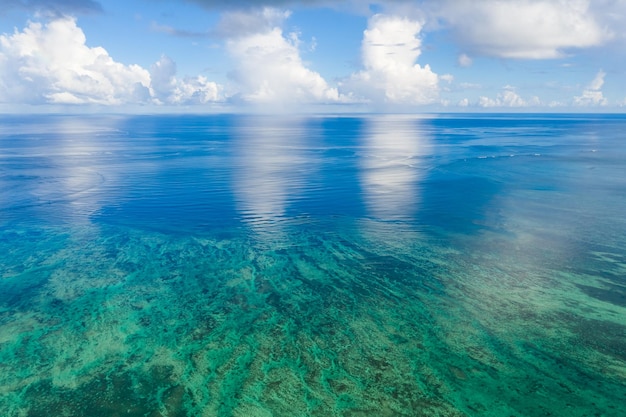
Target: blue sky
[315, 55]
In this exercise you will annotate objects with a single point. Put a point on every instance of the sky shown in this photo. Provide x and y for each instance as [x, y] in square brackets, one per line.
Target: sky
[313, 55]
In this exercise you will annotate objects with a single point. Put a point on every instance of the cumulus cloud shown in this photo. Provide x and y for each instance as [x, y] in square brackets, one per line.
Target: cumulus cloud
[507, 98]
[168, 89]
[51, 63]
[525, 29]
[390, 48]
[592, 95]
[531, 29]
[269, 67]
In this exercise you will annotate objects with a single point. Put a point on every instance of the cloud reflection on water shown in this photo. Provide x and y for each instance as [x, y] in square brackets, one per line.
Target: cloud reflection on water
[391, 166]
[59, 164]
[81, 148]
[270, 170]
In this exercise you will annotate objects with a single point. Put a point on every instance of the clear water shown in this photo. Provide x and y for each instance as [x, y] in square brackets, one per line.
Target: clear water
[316, 266]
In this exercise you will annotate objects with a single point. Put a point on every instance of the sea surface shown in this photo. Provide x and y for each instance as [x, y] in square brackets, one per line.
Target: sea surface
[371, 265]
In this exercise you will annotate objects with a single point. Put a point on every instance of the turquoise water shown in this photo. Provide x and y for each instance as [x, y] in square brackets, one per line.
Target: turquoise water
[469, 265]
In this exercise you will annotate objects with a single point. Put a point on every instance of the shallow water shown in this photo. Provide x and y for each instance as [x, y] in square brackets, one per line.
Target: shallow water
[469, 265]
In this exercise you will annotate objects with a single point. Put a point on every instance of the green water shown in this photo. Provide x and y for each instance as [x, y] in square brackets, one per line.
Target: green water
[507, 300]
[359, 321]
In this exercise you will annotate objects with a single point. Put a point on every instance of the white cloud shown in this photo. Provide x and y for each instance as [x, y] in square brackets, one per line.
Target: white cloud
[464, 60]
[390, 48]
[242, 23]
[484, 101]
[166, 88]
[531, 29]
[51, 63]
[447, 78]
[268, 63]
[508, 98]
[592, 95]
[468, 86]
[598, 81]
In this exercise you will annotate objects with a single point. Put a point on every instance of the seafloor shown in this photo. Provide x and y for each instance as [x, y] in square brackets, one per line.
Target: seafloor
[523, 314]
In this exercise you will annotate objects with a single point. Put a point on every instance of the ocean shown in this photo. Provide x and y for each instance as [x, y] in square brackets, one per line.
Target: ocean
[354, 265]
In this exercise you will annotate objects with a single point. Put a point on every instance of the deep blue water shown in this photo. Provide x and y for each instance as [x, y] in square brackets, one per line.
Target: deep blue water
[443, 265]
